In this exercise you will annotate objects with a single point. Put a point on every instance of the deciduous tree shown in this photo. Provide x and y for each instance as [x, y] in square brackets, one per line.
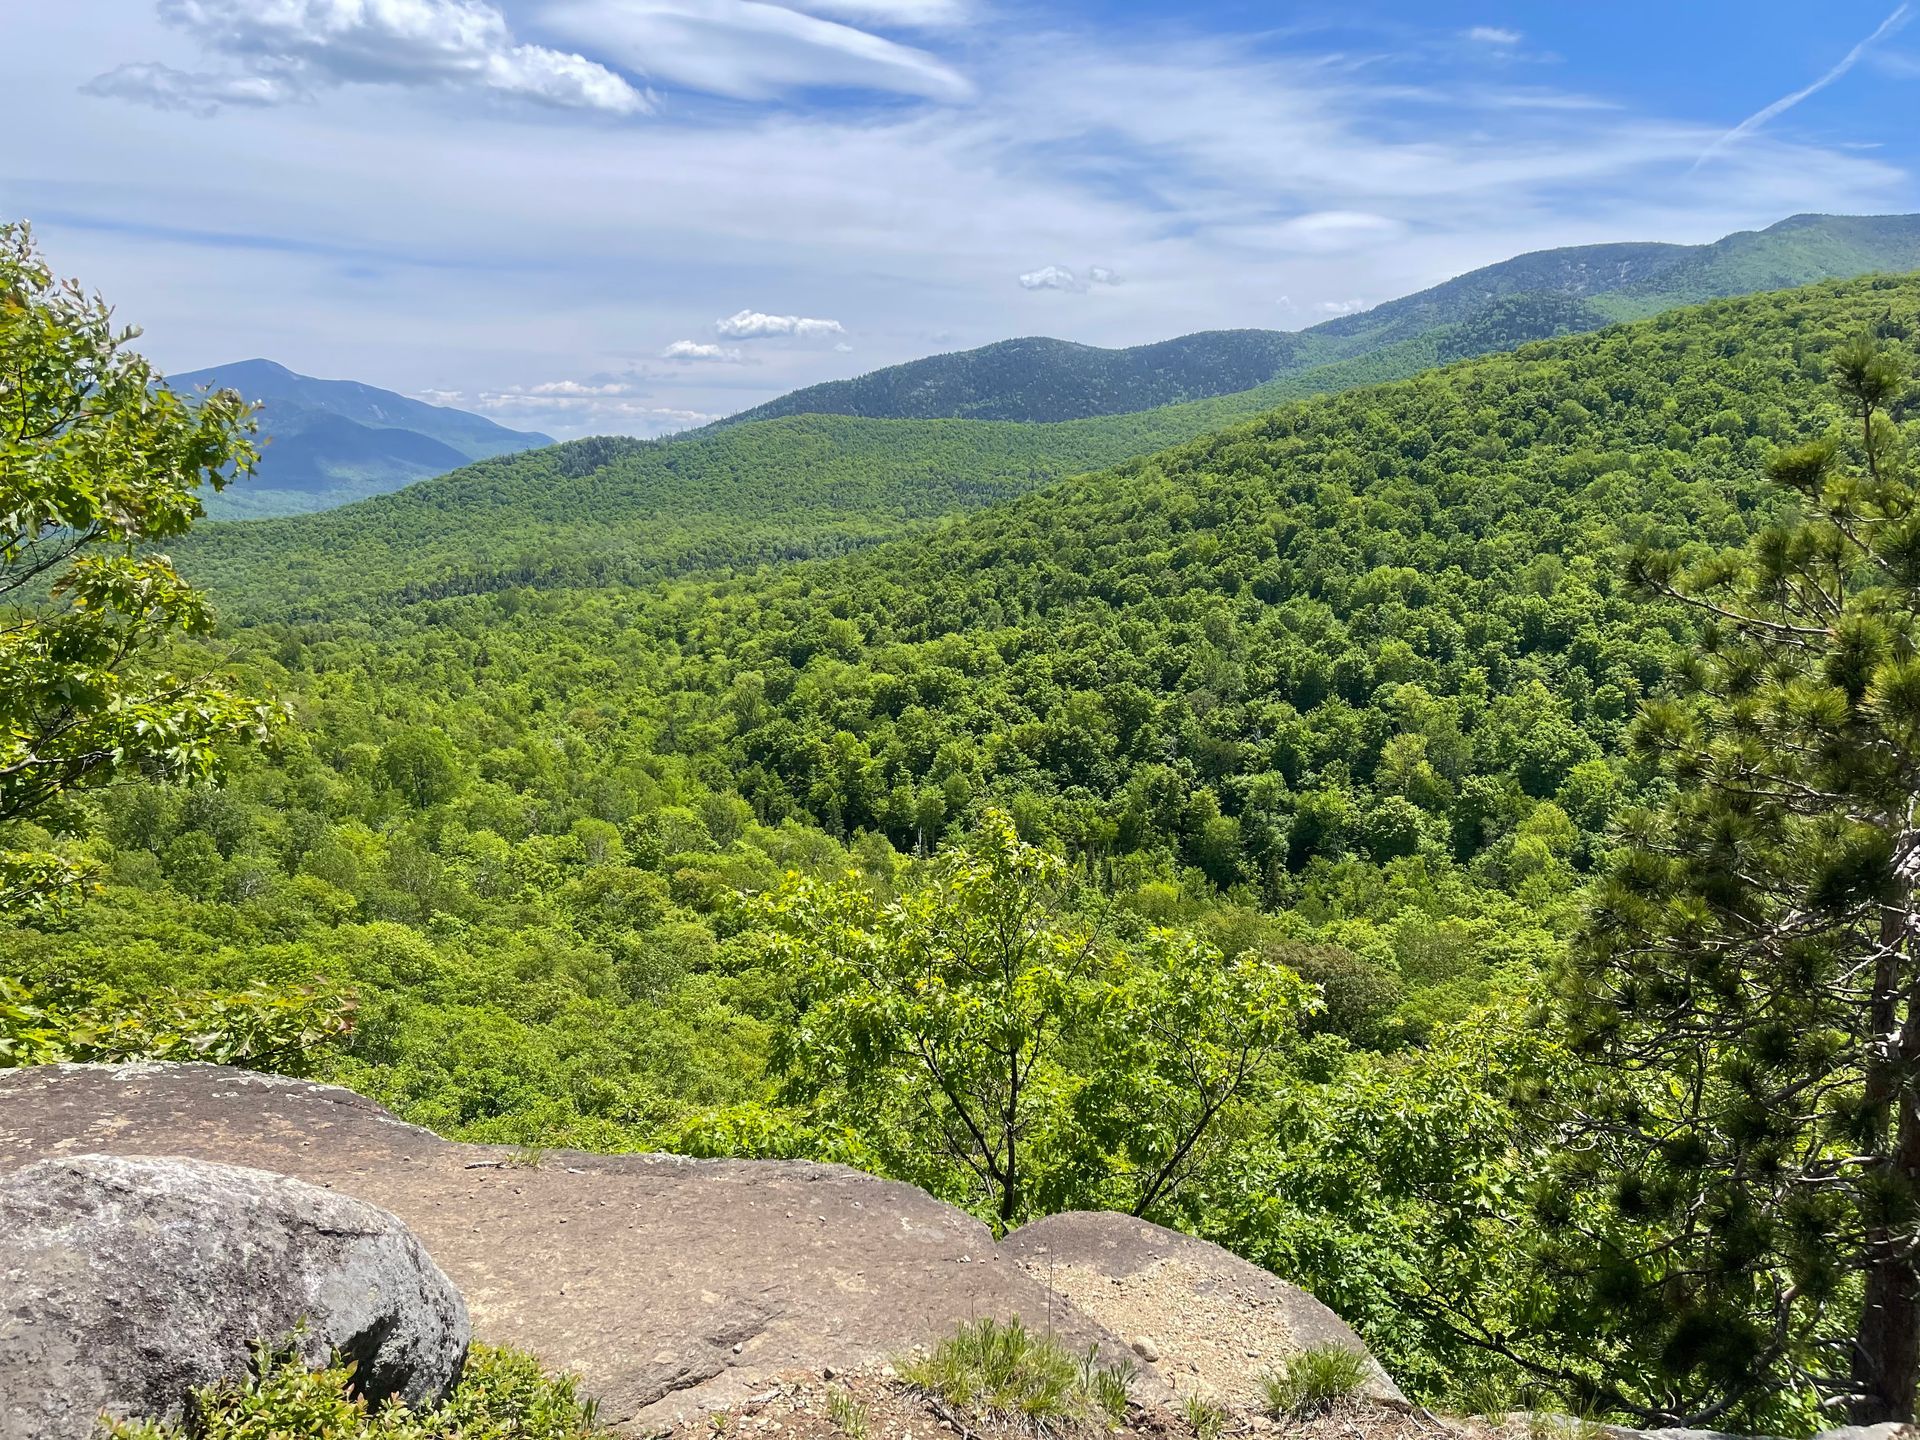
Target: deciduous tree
[97, 461]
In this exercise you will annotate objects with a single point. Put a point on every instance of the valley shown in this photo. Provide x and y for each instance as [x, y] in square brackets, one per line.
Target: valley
[1348, 686]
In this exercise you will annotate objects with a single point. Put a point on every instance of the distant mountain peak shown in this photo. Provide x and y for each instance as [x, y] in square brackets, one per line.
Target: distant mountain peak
[328, 442]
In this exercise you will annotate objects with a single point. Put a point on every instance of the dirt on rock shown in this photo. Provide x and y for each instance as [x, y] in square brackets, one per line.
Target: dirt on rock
[1211, 1323]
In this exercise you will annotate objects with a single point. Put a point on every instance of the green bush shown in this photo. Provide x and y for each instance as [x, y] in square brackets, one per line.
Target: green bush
[503, 1395]
[284, 1031]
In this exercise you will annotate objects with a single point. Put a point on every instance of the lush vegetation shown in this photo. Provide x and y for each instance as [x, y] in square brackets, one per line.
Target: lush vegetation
[502, 1395]
[1257, 786]
[1043, 380]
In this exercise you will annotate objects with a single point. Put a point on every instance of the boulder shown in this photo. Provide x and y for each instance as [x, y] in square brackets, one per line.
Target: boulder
[1206, 1321]
[125, 1282]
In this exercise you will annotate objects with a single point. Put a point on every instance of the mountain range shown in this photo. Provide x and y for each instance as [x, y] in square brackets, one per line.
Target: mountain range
[330, 442]
[821, 480]
[1530, 297]
[749, 492]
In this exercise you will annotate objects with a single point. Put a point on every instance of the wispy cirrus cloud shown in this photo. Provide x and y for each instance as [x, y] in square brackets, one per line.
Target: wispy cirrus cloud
[1752, 124]
[753, 50]
[195, 92]
[891, 14]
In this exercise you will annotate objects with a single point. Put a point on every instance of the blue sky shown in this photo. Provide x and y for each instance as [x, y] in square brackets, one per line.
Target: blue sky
[631, 215]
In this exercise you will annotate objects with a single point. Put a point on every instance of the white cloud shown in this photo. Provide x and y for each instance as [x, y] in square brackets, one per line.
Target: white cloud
[753, 325]
[287, 49]
[573, 389]
[752, 50]
[1494, 35]
[693, 352]
[1340, 307]
[843, 348]
[1051, 277]
[1060, 277]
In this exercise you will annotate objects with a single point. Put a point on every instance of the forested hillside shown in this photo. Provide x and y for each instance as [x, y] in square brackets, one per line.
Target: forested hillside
[617, 511]
[1342, 692]
[1530, 297]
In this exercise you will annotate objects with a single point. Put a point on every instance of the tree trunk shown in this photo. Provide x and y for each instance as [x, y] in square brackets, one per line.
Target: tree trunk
[1886, 1350]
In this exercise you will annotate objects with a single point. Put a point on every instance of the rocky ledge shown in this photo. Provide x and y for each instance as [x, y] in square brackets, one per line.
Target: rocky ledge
[677, 1287]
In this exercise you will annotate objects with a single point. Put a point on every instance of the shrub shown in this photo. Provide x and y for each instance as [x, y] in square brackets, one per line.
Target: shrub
[503, 1395]
[1207, 1420]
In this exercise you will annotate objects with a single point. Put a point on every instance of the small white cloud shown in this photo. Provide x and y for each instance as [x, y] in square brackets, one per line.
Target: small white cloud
[1494, 35]
[695, 352]
[1051, 277]
[1340, 307]
[575, 387]
[440, 397]
[754, 325]
[843, 348]
[287, 49]
[1060, 277]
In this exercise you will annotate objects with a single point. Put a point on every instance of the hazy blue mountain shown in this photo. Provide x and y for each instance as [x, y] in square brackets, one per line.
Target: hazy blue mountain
[328, 442]
[1530, 297]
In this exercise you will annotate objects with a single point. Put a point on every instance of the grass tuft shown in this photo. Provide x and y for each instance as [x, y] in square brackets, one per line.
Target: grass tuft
[848, 1414]
[1207, 1421]
[1001, 1371]
[1315, 1381]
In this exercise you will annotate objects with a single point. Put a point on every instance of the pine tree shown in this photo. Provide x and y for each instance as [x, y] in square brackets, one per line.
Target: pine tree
[1736, 1192]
